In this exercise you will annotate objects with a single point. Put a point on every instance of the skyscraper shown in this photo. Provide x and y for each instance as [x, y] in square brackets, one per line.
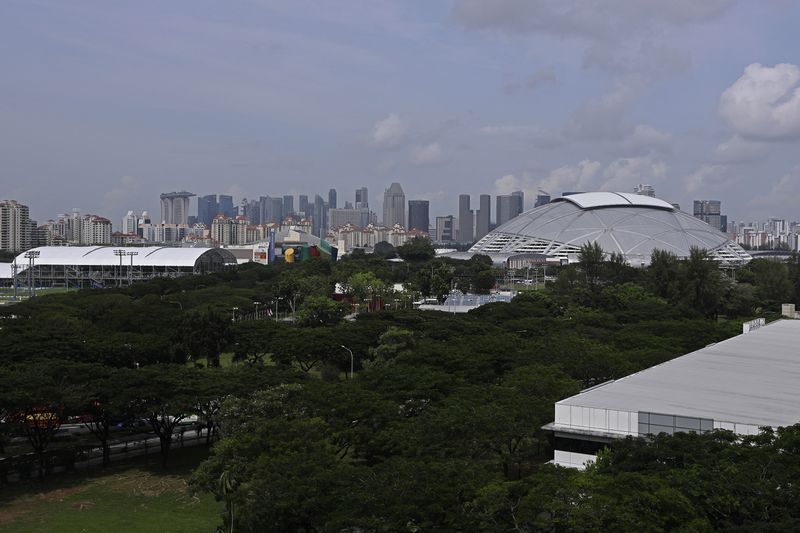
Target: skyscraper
[465, 219]
[483, 217]
[445, 229]
[419, 215]
[129, 222]
[207, 209]
[519, 206]
[319, 217]
[332, 199]
[709, 211]
[175, 207]
[509, 206]
[288, 206]
[362, 198]
[394, 205]
[302, 205]
[15, 226]
[225, 206]
[542, 198]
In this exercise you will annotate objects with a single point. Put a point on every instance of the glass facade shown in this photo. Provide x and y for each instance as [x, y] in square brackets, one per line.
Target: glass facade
[655, 423]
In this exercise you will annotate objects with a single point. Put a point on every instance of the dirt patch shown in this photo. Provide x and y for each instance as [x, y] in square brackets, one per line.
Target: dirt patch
[17, 507]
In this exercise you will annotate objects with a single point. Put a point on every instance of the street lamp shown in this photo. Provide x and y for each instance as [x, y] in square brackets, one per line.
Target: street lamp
[31, 256]
[351, 359]
[256, 304]
[276, 307]
[120, 254]
[130, 270]
[233, 314]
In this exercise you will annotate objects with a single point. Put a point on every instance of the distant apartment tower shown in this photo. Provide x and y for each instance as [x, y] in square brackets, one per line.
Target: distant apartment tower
[542, 198]
[645, 190]
[175, 207]
[483, 217]
[332, 199]
[129, 223]
[709, 212]
[465, 219]
[419, 215]
[362, 198]
[509, 206]
[15, 226]
[394, 205]
[445, 229]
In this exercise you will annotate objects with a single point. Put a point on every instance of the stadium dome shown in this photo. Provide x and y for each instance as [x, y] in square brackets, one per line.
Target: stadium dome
[629, 224]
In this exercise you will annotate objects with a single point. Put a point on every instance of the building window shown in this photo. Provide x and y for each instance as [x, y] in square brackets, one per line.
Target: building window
[655, 423]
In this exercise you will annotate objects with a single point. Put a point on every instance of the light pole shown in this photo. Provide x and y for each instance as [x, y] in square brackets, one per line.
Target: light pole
[233, 314]
[130, 270]
[120, 254]
[351, 359]
[31, 256]
[276, 308]
[14, 270]
[256, 304]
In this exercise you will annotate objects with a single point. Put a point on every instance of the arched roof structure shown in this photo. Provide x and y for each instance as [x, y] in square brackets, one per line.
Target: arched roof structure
[629, 224]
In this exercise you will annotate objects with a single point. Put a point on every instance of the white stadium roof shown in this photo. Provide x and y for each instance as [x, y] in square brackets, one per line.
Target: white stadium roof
[629, 224]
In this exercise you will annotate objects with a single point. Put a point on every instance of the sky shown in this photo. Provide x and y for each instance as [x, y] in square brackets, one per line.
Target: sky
[105, 105]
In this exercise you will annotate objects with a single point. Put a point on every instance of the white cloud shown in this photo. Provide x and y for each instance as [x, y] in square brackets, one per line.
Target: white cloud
[764, 103]
[544, 76]
[389, 132]
[782, 196]
[427, 155]
[737, 150]
[707, 176]
[580, 177]
[624, 173]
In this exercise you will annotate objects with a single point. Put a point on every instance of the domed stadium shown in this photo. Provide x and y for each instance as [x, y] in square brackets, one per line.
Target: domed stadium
[629, 224]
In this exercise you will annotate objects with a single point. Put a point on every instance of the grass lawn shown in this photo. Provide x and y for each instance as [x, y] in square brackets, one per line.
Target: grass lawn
[137, 496]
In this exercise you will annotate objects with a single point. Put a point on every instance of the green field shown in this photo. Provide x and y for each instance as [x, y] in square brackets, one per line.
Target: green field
[136, 497]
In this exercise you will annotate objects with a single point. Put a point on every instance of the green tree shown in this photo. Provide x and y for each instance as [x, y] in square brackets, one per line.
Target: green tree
[703, 281]
[417, 249]
[590, 260]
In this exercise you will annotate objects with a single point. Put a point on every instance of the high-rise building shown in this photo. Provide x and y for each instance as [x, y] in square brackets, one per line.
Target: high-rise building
[419, 215]
[483, 216]
[175, 207]
[465, 219]
[445, 229]
[226, 206]
[358, 218]
[362, 198]
[332, 199]
[645, 190]
[509, 206]
[129, 223]
[394, 205]
[302, 206]
[207, 209]
[709, 211]
[319, 217]
[542, 198]
[15, 226]
[288, 205]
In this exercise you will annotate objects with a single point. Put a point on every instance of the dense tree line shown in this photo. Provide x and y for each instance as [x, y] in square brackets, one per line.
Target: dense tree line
[439, 429]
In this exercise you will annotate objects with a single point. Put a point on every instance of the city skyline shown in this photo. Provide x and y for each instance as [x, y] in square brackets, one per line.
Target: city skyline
[109, 105]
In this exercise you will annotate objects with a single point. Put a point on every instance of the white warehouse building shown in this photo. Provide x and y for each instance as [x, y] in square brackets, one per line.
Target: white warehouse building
[740, 384]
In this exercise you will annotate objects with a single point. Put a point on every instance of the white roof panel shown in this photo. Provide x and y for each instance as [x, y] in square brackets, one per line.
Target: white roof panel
[104, 255]
[592, 200]
[752, 378]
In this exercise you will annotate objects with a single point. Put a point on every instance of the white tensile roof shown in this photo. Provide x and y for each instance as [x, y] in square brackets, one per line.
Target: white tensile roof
[159, 256]
[591, 200]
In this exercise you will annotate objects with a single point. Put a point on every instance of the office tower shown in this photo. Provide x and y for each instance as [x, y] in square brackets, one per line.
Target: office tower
[302, 206]
[465, 217]
[645, 190]
[508, 206]
[319, 218]
[207, 209]
[483, 216]
[332, 199]
[15, 226]
[723, 223]
[419, 215]
[288, 205]
[445, 228]
[348, 205]
[709, 212]
[542, 198]
[362, 198]
[175, 207]
[356, 217]
[519, 207]
[394, 205]
[273, 210]
[226, 206]
[129, 222]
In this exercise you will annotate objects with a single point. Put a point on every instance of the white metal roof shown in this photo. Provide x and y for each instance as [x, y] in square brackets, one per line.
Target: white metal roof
[752, 378]
[591, 200]
[104, 255]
